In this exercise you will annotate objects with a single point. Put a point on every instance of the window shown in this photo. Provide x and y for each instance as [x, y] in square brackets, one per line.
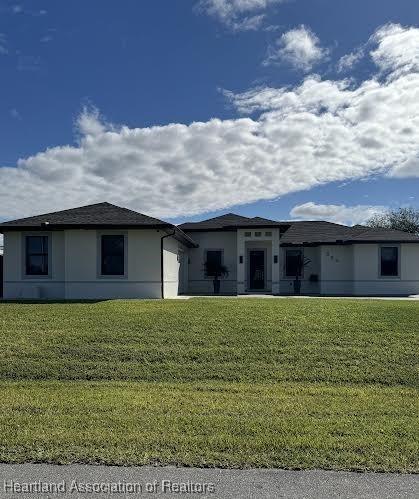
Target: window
[268, 234]
[247, 234]
[113, 255]
[213, 261]
[293, 263]
[389, 261]
[37, 255]
[258, 234]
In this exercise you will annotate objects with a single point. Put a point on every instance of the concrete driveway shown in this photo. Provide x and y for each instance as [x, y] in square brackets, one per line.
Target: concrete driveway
[149, 482]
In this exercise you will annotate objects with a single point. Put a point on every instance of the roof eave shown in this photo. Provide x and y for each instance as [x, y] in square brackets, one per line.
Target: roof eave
[54, 227]
[348, 242]
[233, 228]
[179, 234]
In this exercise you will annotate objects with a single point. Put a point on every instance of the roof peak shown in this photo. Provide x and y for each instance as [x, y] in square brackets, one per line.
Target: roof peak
[230, 214]
[103, 213]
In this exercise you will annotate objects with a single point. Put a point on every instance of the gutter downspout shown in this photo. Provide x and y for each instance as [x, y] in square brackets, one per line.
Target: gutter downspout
[162, 261]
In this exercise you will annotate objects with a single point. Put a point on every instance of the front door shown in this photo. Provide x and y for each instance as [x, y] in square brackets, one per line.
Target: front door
[257, 269]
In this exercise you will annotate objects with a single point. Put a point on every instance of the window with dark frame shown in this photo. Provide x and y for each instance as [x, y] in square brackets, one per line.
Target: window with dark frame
[36, 255]
[292, 262]
[214, 258]
[112, 255]
[389, 261]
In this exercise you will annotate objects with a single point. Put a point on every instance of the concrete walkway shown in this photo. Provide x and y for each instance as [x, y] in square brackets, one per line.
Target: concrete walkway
[288, 297]
[149, 482]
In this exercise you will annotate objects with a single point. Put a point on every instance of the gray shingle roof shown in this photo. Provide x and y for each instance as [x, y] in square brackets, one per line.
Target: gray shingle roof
[106, 215]
[318, 232]
[384, 235]
[315, 232]
[95, 214]
[100, 215]
[230, 221]
[304, 232]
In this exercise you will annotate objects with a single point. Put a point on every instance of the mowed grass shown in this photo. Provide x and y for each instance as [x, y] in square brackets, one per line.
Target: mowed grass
[253, 340]
[213, 424]
[294, 383]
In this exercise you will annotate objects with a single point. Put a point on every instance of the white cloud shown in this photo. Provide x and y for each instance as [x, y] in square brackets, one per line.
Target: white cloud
[341, 214]
[308, 135]
[397, 49]
[408, 168]
[348, 61]
[238, 15]
[299, 47]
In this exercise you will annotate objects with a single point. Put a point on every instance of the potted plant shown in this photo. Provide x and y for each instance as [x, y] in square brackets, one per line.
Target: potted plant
[302, 262]
[216, 270]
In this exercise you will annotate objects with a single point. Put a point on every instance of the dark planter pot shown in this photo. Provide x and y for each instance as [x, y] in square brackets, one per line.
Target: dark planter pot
[297, 287]
[217, 284]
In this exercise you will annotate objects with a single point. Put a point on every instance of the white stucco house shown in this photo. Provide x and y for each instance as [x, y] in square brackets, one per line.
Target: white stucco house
[102, 251]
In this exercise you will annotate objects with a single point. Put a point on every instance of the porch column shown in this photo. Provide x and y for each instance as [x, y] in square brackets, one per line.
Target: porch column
[241, 263]
[275, 262]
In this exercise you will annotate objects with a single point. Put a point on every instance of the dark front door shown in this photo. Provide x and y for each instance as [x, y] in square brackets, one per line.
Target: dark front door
[257, 269]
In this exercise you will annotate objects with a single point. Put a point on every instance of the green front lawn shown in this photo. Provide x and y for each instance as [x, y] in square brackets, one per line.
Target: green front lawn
[286, 383]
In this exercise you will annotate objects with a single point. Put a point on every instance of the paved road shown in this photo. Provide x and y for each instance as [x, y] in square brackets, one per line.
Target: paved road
[217, 484]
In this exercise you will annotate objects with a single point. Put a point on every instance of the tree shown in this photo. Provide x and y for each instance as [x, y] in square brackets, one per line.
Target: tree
[406, 219]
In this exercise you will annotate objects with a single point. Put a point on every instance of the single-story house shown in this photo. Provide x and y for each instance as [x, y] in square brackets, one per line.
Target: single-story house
[102, 251]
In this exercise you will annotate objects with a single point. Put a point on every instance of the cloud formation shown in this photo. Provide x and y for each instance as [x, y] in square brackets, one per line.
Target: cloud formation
[237, 15]
[396, 49]
[299, 47]
[341, 214]
[291, 139]
[348, 61]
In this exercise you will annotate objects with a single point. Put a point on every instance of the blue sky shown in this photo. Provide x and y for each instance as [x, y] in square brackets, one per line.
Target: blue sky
[153, 63]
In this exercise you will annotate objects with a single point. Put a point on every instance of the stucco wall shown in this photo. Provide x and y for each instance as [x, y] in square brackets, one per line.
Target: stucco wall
[226, 241]
[83, 278]
[75, 267]
[336, 270]
[173, 252]
[367, 280]
[16, 286]
[74, 270]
